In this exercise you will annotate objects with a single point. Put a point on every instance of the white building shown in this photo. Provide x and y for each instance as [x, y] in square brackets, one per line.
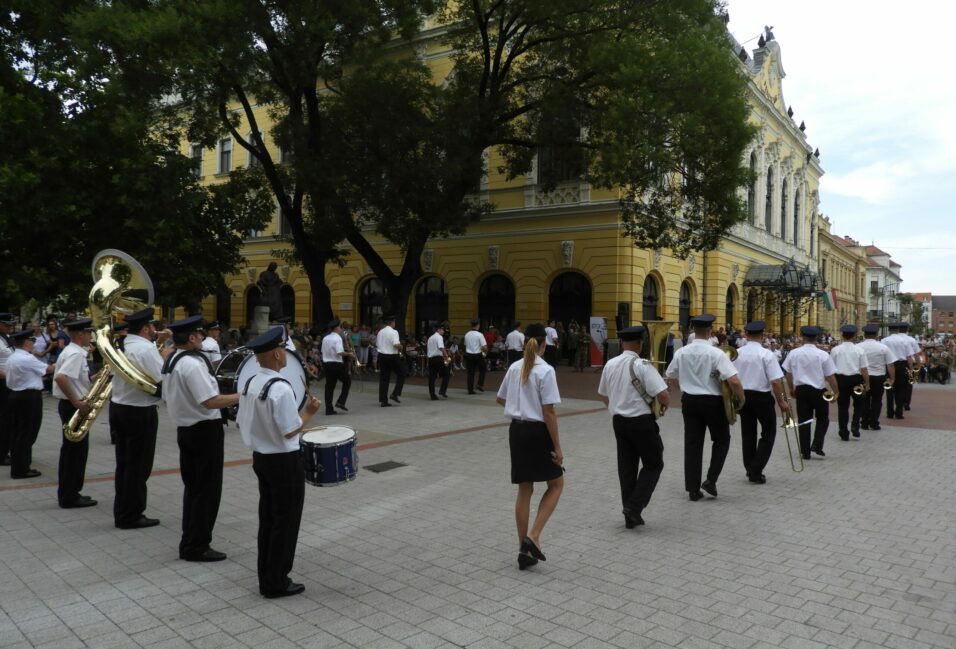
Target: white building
[885, 283]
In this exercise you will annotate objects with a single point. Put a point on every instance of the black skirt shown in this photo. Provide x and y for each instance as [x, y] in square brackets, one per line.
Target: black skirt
[531, 448]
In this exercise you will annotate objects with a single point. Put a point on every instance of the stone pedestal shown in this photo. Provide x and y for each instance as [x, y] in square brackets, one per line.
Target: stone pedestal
[260, 320]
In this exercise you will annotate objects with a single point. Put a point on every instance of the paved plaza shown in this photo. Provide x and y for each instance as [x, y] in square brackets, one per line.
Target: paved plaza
[858, 551]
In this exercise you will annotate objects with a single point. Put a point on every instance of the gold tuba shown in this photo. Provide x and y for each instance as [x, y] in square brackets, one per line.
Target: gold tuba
[120, 285]
[792, 430]
[657, 331]
[730, 401]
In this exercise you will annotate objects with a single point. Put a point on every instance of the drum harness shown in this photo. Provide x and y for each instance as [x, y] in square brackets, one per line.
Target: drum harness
[265, 388]
[173, 359]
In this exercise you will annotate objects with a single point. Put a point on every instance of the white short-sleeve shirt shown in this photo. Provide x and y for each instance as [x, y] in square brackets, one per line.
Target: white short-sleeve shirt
[143, 354]
[436, 345]
[474, 341]
[809, 365]
[878, 356]
[623, 398]
[757, 367]
[72, 364]
[332, 348]
[848, 359]
[264, 424]
[550, 336]
[387, 339]
[210, 347]
[515, 341]
[6, 351]
[25, 372]
[186, 388]
[900, 345]
[700, 367]
[525, 401]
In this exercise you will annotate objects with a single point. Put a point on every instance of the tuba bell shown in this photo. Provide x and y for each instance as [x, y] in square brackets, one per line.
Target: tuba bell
[120, 285]
[730, 401]
[657, 332]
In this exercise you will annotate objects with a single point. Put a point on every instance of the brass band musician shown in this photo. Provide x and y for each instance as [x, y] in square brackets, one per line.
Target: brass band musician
[438, 360]
[851, 370]
[880, 366]
[809, 372]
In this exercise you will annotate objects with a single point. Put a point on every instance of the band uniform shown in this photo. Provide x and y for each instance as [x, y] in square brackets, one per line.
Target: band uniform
[71, 383]
[809, 370]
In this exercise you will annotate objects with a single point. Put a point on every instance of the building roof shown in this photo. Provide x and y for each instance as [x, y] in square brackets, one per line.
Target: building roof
[873, 250]
[922, 296]
[944, 302]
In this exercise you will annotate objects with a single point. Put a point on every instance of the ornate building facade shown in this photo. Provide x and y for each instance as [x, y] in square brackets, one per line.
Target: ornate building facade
[843, 264]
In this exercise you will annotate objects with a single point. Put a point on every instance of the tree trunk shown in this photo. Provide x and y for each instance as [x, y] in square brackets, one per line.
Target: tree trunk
[321, 295]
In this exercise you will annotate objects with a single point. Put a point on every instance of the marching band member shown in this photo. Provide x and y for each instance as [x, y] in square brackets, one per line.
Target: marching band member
[71, 383]
[851, 370]
[6, 350]
[698, 368]
[904, 348]
[210, 344]
[135, 421]
[24, 373]
[476, 347]
[193, 401]
[809, 371]
[333, 361]
[270, 425]
[762, 380]
[551, 343]
[628, 385]
[389, 345]
[437, 355]
[528, 392]
[514, 343]
[879, 364]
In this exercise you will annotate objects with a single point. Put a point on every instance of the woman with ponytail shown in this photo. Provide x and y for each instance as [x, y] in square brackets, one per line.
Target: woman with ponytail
[528, 393]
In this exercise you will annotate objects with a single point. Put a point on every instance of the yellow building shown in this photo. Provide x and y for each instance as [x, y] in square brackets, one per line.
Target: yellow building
[843, 263]
[561, 253]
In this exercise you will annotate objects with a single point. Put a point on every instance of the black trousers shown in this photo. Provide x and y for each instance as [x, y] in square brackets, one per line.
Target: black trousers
[135, 430]
[759, 408]
[335, 372]
[6, 432]
[551, 355]
[281, 496]
[389, 364]
[436, 368]
[703, 412]
[638, 443]
[72, 468]
[513, 355]
[811, 405]
[201, 448]
[475, 362]
[873, 405]
[25, 415]
[901, 392]
[846, 383]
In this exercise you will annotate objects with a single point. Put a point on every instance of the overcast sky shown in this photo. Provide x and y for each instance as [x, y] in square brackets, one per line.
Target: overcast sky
[873, 81]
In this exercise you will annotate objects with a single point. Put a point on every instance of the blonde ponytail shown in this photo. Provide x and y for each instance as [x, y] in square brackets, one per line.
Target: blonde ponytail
[530, 354]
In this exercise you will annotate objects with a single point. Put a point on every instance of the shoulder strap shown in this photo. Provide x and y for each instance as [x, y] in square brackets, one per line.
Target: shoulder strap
[174, 358]
[265, 388]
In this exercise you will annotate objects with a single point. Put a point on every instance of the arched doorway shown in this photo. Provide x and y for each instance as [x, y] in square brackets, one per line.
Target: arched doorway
[496, 303]
[224, 307]
[569, 298]
[253, 294]
[683, 318]
[287, 295]
[651, 300]
[372, 302]
[730, 305]
[431, 305]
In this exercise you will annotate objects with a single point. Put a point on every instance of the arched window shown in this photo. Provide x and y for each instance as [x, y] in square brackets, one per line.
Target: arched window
[783, 210]
[768, 206]
[684, 307]
[796, 217]
[650, 300]
[224, 307]
[431, 305]
[287, 295]
[813, 236]
[752, 191]
[253, 295]
[569, 298]
[496, 303]
[372, 302]
[729, 309]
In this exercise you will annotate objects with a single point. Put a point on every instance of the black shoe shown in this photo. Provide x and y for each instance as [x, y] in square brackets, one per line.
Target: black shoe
[340, 406]
[757, 478]
[846, 436]
[206, 556]
[330, 412]
[525, 561]
[632, 519]
[434, 398]
[137, 524]
[709, 487]
[385, 404]
[82, 501]
[856, 432]
[471, 392]
[818, 451]
[906, 407]
[480, 389]
[889, 415]
[864, 427]
[528, 547]
[899, 415]
[805, 456]
[394, 398]
[695, 495]
[875, 427]
[31, 473]
[291, 588]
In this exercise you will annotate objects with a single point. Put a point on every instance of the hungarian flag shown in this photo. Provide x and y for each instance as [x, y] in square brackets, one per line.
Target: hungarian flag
[830, 299]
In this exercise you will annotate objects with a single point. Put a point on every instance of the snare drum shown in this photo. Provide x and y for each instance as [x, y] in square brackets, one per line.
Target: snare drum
[329, 455]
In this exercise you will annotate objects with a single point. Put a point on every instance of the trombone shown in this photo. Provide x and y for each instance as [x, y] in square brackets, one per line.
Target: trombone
[791, 429]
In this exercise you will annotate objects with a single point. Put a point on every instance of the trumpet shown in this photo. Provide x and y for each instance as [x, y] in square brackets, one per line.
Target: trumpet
[888, 384]
[792, 430]
[828, 396]
[859, 390]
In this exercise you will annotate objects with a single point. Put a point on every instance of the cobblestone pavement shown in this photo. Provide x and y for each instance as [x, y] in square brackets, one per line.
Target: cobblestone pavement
[858, 551]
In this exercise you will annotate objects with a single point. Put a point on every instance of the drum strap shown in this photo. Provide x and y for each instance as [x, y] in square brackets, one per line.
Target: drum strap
[173, 359]
[264, 393]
